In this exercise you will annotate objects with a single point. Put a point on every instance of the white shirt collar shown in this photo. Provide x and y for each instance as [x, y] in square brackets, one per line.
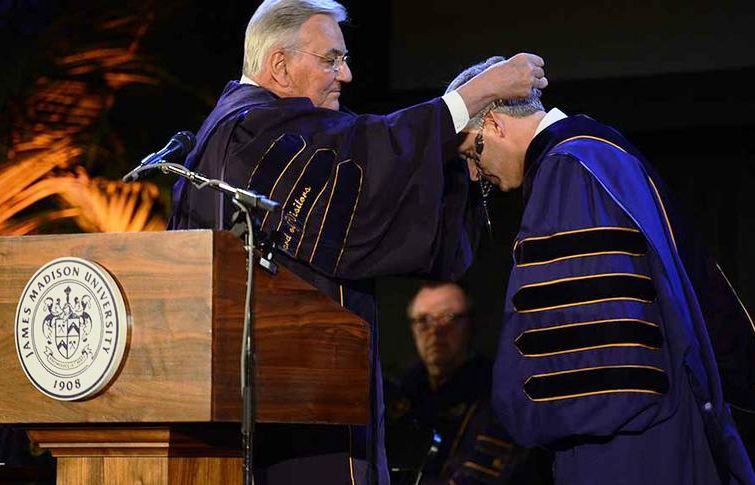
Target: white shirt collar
[246, 80]
[551, 117]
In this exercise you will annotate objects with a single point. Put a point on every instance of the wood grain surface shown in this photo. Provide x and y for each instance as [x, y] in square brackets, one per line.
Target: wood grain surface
[149, 471]
[180, 454]
[185, 292]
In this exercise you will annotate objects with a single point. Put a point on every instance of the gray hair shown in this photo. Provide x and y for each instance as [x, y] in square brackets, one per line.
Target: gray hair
[276, 24]
[518, 108]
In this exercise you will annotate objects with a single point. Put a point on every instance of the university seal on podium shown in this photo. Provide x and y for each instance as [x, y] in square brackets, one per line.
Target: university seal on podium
[71, 328]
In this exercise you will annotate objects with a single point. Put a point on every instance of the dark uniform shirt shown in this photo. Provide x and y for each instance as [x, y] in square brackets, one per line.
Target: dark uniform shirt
[474, 449]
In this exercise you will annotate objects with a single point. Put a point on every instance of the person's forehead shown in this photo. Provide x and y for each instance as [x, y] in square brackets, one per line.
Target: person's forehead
[322, 32]
[439, 299]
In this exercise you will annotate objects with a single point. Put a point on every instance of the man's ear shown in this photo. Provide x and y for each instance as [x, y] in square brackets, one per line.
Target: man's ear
[497, 124]
[279, 69]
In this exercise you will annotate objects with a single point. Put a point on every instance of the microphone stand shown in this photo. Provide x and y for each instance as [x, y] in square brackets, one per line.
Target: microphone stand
[249, 408]
[249, 198]
[245, 201]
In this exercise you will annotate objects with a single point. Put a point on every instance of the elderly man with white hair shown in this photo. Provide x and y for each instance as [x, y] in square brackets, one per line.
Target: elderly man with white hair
[362, 196]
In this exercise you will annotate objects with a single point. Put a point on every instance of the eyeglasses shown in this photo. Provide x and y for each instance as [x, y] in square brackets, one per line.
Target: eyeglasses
[479, 141]
[479, 144]
[334, 63]
[424, 322]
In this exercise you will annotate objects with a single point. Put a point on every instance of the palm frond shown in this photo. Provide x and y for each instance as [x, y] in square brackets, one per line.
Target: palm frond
[29, 225]
[111, 206]
[21, 178]
[50, 138]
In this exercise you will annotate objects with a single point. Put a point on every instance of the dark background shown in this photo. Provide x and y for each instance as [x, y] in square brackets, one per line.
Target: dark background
[675, 76]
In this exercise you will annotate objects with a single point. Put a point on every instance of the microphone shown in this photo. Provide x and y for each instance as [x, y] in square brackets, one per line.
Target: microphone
[175, 152]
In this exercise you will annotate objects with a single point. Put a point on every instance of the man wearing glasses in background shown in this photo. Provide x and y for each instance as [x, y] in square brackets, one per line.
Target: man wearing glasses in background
[361, 196]
[619, 349]
[448, 392]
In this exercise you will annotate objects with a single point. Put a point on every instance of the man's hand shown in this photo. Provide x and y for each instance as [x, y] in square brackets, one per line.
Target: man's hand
[513, 78]
[516, 77]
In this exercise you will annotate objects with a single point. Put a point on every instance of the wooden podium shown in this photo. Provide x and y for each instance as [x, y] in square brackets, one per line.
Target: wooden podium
[171, 413]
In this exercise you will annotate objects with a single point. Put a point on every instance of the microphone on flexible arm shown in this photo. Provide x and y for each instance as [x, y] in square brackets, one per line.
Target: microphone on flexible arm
[175, 151]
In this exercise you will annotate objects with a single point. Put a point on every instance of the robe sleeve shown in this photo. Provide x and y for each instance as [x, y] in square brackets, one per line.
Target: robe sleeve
[414, 206]
[582, 349]
[365, 196]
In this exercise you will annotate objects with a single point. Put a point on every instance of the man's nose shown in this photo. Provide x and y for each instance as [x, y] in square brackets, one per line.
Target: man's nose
[344, 73]
[474, 172]
[437, 330]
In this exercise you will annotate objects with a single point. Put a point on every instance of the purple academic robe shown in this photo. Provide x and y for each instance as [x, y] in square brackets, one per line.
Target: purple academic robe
[605, 353]
[362, 196]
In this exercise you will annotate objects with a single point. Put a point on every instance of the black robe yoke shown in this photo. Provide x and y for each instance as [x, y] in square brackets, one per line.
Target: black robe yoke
[362, 196]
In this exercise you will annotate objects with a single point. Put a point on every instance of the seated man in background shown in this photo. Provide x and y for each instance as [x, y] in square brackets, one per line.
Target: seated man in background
[622, 339]
[448, 392]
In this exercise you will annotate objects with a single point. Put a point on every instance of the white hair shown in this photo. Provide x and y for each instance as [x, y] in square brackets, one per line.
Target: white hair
[276, 24]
